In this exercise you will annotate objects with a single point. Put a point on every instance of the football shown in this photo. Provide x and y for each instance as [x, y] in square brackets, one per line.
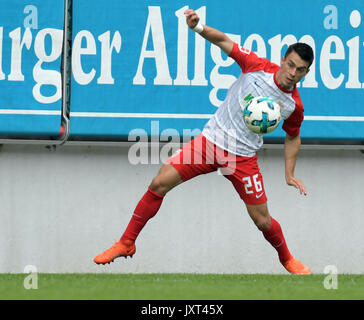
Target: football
[262, 115]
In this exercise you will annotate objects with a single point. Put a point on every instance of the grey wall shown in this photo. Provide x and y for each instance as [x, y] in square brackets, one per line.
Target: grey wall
[61, 207]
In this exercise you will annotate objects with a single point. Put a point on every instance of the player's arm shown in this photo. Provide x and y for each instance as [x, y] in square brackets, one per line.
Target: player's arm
[291, 149]
[213, 35]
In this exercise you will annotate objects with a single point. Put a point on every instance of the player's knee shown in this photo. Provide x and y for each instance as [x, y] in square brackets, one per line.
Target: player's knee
[162, 183]
[159, 186]
[260, 216]
[167, 178]
[263, 223]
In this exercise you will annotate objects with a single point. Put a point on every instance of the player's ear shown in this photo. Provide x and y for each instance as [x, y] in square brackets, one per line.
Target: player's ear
[283, 59]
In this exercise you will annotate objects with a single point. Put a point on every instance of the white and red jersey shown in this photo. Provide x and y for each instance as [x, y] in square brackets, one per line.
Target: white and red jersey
[227, 129]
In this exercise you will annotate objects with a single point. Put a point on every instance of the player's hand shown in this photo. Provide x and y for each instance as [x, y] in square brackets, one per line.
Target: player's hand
[297, 183]
[191, 18]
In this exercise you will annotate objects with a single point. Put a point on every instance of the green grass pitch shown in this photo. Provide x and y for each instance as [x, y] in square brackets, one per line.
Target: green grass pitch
[180, 287]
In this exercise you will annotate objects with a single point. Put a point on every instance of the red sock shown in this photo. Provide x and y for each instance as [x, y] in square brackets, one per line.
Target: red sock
[146, 209]
[275, 237]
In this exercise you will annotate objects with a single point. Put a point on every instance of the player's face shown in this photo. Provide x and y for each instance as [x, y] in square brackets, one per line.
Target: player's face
[293, 68]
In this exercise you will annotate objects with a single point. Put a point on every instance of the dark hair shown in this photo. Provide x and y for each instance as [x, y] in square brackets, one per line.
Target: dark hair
[303, 50]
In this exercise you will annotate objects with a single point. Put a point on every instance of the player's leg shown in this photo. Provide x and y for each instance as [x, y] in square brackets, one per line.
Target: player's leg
[248, 182]
[272, 232]
[187, 164]
[251, 190]
[260, 215]
[166, 179]
[191, 161]
[270, 228]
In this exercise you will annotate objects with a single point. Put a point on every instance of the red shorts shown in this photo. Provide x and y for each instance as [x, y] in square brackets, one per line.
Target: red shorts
[200, 156]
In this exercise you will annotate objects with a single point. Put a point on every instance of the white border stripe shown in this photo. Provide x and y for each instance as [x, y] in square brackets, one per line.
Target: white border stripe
[193, 116]
[156, 115]
[333, 118]
[141, 115]
[31, 112]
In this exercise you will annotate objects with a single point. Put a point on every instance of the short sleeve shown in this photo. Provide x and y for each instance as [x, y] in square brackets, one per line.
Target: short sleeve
[292, 124]
[249, 61]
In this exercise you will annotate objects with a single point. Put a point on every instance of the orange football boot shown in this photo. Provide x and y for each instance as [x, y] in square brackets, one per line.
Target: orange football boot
[123, 248]
[296, 267]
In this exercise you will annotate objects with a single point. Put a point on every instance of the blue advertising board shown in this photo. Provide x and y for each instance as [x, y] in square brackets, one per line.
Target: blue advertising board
[31, 37]
[136, 65]
[137, 68]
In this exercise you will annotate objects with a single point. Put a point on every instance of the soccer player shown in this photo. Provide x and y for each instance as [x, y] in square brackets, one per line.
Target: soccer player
[212, 150]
